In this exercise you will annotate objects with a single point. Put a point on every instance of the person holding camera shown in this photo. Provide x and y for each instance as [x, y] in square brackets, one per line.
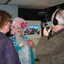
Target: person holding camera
[51, 51]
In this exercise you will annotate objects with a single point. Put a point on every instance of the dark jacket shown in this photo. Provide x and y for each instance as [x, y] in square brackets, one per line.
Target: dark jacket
[51, 51]
[8, 54]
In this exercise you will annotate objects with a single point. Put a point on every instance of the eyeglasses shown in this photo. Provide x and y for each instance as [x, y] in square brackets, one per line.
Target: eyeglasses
[18, 27]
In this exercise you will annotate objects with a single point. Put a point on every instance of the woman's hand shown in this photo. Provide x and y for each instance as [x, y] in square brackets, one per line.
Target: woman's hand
[22, 44]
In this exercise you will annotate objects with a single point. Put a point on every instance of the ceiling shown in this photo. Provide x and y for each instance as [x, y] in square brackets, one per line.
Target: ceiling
[32, 4]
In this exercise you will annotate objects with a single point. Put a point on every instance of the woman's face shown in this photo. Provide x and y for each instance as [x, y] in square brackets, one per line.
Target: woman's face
[18, 30]
[6, 27]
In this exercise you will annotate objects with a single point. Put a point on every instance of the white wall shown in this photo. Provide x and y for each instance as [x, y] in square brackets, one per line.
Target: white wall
[12, 9]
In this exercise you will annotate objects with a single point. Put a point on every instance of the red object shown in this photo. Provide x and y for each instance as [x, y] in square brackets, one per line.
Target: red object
[30, 43]
[23, 24]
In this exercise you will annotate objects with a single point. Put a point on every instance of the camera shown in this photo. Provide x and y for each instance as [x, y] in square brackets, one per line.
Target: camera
[47, 28]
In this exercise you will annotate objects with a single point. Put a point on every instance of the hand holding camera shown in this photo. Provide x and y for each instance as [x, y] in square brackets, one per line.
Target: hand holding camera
[46, 31]
[22, 44]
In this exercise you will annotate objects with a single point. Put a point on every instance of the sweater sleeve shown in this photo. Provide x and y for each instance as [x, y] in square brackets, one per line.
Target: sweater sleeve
[10, 54]
[45, 47]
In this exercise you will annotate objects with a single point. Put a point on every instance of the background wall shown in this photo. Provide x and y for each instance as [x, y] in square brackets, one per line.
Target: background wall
[12, 9]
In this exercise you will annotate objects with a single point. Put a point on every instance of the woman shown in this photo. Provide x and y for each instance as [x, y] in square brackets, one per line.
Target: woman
[20, 41]
[8, 54]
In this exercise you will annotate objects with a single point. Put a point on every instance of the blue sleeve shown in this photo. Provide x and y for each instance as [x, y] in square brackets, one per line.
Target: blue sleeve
[17, 48]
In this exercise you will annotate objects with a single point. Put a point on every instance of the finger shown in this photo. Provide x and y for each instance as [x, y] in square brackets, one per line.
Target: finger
[23, 42]
[49, 29]
[44, 29]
